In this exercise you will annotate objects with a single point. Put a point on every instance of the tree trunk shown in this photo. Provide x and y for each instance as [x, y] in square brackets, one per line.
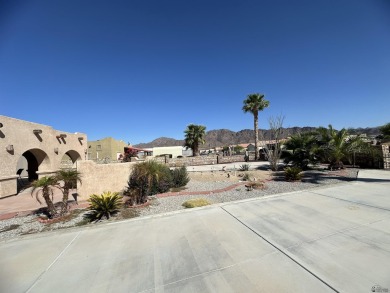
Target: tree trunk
[65, 197]
[50, 205]
[256, 128]
[195, 150]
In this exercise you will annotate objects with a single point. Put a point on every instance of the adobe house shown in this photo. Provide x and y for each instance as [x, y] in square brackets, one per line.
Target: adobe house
[34, 150]
[105, 149]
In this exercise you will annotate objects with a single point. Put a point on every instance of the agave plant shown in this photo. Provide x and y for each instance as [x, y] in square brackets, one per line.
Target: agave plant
[244, 167]
[104, 205]
[44, 186]
[293, 173]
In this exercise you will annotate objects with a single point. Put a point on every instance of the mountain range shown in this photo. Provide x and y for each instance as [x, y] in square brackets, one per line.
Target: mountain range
[224, 137]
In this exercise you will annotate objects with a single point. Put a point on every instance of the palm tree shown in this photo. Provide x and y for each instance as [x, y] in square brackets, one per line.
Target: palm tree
[194, 136]
[303, 147]
[70, 177]
[385, 130]
[253, 104]
[44, 186]
[334, 146]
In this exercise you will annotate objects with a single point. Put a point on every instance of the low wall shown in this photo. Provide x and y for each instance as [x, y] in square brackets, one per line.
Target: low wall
[97, 178]
[386, 156]
[202, 160]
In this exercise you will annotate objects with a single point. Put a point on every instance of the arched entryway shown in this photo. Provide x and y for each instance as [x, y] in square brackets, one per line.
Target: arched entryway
[31, 161]
[69, 159]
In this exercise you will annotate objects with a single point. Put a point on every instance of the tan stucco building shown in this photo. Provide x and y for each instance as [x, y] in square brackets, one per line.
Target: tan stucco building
[35, 148]
[107, 149]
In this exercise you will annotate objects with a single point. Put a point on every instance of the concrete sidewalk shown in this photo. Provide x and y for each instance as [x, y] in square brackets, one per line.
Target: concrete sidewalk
[324, 240]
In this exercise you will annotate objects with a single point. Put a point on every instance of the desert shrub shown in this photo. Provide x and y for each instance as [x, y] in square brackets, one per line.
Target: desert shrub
[245, 177]
[148, 178]
[104, 205]
[293, 173]
[197, 202]
[244, 167]
[255, 185]
[129, 153]
[180, 177]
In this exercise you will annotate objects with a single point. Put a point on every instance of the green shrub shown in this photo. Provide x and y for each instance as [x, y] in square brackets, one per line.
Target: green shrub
[194, 203]
[244, 167]
[293, 173]
[180, 177]
[148, 178]
[104, 205]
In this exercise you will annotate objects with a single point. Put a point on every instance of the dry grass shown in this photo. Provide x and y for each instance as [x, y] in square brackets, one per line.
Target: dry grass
[195, 203]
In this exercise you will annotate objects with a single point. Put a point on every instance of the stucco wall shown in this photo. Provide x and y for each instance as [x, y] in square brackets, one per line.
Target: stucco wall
[202, 160]
[175, 151]
[97, 178]
[109, 148]
[386, 155]
[47, 146]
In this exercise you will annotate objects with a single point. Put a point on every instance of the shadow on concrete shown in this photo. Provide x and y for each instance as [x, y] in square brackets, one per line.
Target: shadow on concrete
[375, 180]
[315, 177]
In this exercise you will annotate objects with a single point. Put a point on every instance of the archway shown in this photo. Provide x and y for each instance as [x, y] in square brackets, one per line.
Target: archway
[35, 158]
[69, 159]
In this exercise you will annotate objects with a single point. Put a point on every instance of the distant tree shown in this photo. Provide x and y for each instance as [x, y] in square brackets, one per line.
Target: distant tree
[385, 130]
[194, 136]
[253, 104]
[238, 149]
[273, 149]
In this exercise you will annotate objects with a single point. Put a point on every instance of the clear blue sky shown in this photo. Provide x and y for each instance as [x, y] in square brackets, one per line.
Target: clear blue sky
[138, 70]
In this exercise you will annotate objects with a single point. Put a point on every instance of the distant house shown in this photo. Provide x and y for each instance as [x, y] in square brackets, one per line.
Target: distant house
[107, 149]
[170, 151]
[251, 147]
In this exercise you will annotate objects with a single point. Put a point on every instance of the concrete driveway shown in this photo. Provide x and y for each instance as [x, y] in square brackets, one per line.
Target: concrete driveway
[323, 240]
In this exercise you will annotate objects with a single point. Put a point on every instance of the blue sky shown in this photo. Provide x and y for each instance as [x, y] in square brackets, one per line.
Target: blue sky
[138, 70]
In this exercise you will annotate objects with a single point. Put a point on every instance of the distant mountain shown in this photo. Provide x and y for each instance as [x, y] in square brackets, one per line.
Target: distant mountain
[224, 137]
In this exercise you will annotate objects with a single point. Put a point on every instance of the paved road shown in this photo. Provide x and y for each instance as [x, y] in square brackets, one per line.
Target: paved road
[323, 240]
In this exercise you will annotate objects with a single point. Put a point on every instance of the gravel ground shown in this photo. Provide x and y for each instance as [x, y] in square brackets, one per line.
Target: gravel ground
[18, 226]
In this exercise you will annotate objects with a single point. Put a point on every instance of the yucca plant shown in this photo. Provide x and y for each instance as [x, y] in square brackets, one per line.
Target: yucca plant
[244, 167]
[148, 178]
[180, 177]
[293, 173]
[104, 205]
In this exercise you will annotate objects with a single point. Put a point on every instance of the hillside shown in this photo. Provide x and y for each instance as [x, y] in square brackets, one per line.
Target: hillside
[223, 137]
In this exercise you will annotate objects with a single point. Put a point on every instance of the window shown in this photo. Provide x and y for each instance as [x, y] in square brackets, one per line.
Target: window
[98, 147]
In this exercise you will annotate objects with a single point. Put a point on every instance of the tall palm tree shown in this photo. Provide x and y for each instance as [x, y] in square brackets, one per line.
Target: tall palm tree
[69, 177]
[194, 136]
[253, 104]
[44, 186]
